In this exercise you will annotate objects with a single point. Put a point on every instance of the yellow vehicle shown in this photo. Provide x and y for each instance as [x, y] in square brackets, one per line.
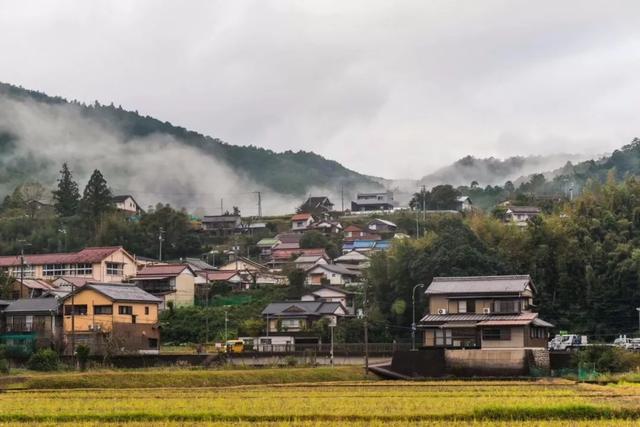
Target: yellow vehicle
[234, 346]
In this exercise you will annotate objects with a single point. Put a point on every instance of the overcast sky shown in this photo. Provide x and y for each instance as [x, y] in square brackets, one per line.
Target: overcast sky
[390, 88]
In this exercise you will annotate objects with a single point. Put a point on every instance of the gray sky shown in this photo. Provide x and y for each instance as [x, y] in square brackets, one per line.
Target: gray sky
[390, 88]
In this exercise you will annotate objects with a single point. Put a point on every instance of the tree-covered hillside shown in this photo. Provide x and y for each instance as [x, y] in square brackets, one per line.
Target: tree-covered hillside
[285, 173]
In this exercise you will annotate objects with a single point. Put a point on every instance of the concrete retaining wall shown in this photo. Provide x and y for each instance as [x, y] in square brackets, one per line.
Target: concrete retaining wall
[489, 362]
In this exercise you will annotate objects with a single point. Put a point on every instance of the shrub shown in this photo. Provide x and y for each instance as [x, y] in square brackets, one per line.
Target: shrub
[4, 366]
[43, 360]
[291, 361]
[82, 352]
[608, 359]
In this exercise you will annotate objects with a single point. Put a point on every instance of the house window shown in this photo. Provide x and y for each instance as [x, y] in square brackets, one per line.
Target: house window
[83, 269]
[102, 309]
[509, 306]
[444, 337]
[537, 332]
[462, 306]
[78, 310]
[26, 270]
[153, 343]
[125, 309]
[55, 270]
[146, 311]
[114, 269]
[496, 334]
[290, 323]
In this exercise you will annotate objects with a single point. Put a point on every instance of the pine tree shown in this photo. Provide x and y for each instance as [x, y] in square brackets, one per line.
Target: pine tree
[67, 196]
[97, 198]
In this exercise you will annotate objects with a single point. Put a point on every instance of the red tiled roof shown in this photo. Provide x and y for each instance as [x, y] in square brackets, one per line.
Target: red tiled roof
[353, 228]
[162, 270]
[301, 217]
[284, 254]
[87, 255]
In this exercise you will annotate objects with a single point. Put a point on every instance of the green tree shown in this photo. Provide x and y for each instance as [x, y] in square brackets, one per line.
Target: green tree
[96, 199]
[67, 197]
[313, 240]
[296, 278]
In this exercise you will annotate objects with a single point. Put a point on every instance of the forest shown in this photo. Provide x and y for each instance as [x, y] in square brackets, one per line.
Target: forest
[584, 257]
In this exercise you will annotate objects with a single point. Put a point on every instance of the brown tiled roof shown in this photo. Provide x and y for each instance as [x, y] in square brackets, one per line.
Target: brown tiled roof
[163, 270]
[284, 254]
[353, 227]
[36, 284]
[222, 276]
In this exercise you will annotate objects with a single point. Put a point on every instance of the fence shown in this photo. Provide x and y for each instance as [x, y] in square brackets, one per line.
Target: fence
[339, 349]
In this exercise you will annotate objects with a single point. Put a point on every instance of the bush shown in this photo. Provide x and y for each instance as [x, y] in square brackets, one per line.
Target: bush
[43, 360]
[291, 361]
[4, 366]
[608, 359]
[82, 351]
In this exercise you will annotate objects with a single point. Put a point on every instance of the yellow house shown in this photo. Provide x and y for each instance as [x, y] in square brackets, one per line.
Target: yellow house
[101, 264]
[175, 283]
[115, 317]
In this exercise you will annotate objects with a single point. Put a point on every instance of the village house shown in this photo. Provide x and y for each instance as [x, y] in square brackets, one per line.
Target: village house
[353, 260]
[490, 312]
[381, 226]
[301, 222]
[266, 245]
[30, 288]
[112, 318]
[127, 204]
[353, 232]
[281, 256]
[521, 215]
[175, 283]
[316, 206]
[327, 227]
[230, 277]
[464, 204]
[371, 202]
[332, 294]
[249, 270]
[292, 321]
[221, 225]
[32, 323]
[105, 264]
[304, 262]
[331, 274]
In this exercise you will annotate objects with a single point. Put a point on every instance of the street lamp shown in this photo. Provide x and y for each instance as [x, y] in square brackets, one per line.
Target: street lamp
[413, 325]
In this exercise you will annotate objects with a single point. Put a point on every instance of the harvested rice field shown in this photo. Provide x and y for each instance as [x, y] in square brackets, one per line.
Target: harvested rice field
[331, 403]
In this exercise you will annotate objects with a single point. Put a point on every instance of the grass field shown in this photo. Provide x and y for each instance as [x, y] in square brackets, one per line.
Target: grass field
[178, 399]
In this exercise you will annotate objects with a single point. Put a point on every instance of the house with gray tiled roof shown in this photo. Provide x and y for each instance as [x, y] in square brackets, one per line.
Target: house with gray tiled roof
[486, 312]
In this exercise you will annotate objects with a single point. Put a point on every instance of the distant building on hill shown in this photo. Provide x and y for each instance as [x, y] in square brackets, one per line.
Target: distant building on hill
[366, 202]
[221, 225]
[316, 206]
[127, 204]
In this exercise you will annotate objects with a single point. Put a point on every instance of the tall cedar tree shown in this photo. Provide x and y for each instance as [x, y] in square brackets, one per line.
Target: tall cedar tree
[67, 196]
[97, 198]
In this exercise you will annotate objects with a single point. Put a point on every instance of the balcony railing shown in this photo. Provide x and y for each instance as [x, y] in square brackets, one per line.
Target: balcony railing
[26, 327]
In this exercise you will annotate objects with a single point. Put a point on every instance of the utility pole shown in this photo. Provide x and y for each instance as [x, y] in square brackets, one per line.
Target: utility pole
[221, 206]
[638, 309]
[73, 324]
[259, 203]
[23, 243]
[342, 196]
[424, 203]
[413, 325]
[226, 321]
[160, 239]
[366, 331]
